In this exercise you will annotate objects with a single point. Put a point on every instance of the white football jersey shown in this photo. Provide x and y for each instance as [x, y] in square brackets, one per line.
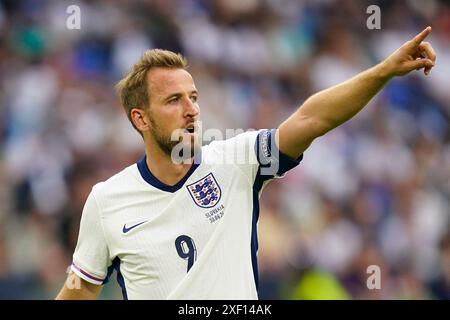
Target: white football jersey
[193, 240]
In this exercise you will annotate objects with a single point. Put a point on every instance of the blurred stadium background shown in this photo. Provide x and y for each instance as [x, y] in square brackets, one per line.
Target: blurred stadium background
[373, 192]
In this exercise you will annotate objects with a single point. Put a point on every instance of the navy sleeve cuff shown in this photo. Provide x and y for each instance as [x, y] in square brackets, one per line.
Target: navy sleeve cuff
[272, 161]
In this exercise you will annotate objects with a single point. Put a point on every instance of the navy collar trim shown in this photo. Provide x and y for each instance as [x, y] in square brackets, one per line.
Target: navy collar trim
[152, 180]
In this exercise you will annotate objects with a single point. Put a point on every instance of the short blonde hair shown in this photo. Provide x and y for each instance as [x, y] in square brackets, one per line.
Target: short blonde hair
[132, 89]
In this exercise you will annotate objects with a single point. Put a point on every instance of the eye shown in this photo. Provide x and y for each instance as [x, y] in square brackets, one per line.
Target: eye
[194, 98]
[174, 100]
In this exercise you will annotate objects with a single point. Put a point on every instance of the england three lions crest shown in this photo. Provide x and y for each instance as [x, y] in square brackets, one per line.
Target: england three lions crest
[205, 192]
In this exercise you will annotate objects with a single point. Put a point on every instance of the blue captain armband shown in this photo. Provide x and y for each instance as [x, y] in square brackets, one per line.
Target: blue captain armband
[271, 160]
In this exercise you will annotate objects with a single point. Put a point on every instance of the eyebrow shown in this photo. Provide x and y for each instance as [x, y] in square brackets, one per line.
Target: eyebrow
[178, 94]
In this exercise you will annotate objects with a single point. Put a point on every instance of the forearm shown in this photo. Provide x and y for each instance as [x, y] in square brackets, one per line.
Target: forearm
[328, 109]
[74, 294]
[332, 107]
[76, 288]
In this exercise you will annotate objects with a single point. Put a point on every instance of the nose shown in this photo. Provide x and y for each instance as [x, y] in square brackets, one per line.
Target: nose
[191, 109]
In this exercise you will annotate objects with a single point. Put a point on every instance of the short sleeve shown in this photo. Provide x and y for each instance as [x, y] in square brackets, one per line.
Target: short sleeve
[256, 154]
[237, 151]
[91, 256]
[273, 163]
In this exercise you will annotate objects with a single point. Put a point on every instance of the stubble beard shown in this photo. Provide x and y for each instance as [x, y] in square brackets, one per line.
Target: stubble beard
[166, 144]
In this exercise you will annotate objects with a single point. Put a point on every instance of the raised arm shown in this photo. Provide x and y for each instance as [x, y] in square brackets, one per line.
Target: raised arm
[76, 288]
[330, 108]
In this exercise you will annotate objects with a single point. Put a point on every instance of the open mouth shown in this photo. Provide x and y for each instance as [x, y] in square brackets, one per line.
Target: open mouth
[190, 128]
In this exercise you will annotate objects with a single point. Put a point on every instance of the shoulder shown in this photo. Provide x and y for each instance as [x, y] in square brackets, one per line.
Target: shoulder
[238, 147]
[121, 182]
[243, 138]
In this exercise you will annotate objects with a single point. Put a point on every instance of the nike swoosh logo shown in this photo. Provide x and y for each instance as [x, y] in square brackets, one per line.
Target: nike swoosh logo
[126, 230]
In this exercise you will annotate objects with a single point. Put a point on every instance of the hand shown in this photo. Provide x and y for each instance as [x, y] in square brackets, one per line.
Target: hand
[413, 55]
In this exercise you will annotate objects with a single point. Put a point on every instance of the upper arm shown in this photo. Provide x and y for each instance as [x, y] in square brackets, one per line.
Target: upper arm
[76, 288]
[297, 133]
[91, 258]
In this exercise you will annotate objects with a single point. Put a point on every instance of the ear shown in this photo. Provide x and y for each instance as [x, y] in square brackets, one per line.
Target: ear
[140, 119]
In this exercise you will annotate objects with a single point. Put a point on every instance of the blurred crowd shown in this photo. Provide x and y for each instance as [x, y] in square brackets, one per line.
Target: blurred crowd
[375, 191]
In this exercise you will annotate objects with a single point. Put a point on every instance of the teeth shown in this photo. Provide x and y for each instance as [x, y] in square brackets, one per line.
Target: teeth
[190, 129]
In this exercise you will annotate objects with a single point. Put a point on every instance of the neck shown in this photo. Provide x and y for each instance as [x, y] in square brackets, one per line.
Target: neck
[163, 168]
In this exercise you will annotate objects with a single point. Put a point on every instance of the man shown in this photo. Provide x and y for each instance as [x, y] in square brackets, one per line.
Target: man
[181, 223]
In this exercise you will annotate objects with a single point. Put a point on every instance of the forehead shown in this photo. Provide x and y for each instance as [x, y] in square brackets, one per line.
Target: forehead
[164, 81]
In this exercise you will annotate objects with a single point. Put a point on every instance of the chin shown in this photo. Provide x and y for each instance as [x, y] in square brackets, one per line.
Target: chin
[194, 146]
[186, 149]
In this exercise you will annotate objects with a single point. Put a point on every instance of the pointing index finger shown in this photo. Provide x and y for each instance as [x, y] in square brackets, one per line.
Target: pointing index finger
[421, 36]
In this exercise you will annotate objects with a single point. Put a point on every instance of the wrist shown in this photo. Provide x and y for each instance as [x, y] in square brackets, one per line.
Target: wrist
[383, 71]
